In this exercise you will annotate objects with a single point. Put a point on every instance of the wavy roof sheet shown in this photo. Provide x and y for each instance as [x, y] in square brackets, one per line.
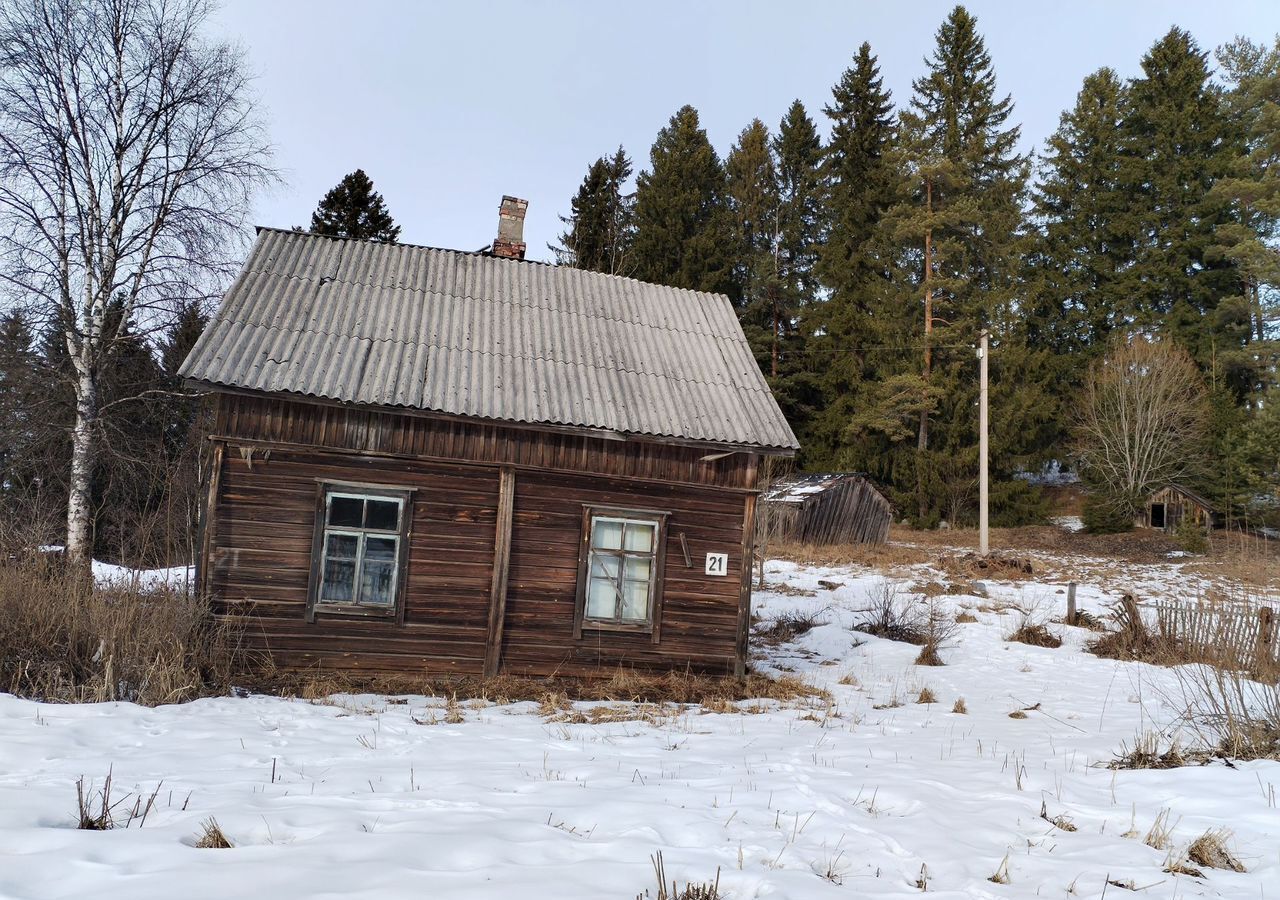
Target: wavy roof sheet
[475, 335]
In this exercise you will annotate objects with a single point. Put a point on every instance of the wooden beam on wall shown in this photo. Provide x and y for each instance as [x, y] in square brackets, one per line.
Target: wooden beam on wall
[501, 565]
[208, 521]
[744, 598]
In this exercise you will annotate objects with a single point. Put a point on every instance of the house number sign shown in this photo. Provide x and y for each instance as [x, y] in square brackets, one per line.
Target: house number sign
[717, 563]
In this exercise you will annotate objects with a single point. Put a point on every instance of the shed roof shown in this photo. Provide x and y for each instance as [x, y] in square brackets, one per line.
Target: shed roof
[1198, 499]
[796, 488]
[475, 335]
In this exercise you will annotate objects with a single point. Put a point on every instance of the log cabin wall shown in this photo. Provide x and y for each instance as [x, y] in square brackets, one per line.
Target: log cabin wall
[476, 598]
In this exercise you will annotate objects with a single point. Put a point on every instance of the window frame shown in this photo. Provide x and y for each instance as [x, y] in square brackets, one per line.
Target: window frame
[652, 626]
[325, 491]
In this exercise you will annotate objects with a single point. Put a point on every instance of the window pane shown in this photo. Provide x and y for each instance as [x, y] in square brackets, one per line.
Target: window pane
[339, 579]
[606, 535]
[382, 514]
[638, 568]
[346, 512]
[376, 578]
[605, 566]
[380, 549]
[635, 601]
[639, 538]
[602, 599]
[341, 546]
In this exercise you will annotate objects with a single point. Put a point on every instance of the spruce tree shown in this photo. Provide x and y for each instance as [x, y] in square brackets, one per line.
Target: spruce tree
[1084, 245]
[752, 199]
[859, 185]
[682, 232]
[354, 209]
[600, 228]
[797, 152]
[1179, 143]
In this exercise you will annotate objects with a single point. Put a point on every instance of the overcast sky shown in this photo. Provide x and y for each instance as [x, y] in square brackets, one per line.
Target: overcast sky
[448, 107]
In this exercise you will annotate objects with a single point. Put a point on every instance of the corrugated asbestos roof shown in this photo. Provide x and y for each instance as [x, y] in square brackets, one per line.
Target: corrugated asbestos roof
[481, 336]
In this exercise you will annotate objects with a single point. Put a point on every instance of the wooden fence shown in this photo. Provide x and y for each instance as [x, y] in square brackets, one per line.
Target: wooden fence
[1238, 635]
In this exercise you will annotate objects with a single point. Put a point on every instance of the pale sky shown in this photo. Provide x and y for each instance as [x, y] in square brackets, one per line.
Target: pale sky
[449, 106]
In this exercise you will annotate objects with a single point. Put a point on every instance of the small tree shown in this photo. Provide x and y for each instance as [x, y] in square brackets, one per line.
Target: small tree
[1142, 421]
[354, 209]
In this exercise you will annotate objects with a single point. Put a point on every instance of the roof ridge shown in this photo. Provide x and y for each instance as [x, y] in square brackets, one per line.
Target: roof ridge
[485, 255]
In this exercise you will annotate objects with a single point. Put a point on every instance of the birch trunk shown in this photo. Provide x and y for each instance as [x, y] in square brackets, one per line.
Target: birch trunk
[80, 494]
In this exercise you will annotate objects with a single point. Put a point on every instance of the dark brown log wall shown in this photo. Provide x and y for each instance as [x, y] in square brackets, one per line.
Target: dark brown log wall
[274, 454]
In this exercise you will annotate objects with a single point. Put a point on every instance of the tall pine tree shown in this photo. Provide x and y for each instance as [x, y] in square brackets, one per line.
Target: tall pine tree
[953, 244]
[753, 205]
[354, 209]
[683, 237]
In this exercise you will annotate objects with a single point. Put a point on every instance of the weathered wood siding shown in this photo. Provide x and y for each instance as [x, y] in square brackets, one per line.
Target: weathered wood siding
[1177, 506]
[850, 511]
[273, 455]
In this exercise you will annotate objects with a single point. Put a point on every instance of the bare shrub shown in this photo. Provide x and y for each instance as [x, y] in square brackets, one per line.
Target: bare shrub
[894, 616]
[939, 628]
[1211, 851]
[63, 638]
[1230, 712]
[212, 836]
[1033, 629]
[709, 890]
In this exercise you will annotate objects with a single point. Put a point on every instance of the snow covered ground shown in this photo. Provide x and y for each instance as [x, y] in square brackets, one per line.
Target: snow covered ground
[870, 795]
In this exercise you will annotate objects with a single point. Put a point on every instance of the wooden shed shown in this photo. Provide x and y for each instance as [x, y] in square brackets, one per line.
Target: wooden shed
[442, 461]
[1167, 507]
[826, 508]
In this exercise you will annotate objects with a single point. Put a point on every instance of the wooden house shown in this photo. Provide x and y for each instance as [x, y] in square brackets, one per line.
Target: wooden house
[826, 508]
[1171, 504]
[442, 461]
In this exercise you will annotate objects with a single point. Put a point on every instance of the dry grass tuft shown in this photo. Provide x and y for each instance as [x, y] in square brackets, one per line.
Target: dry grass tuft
[1149, 751]
[709, 890]
[212, 837]
[1059, 821]
[618, 685]
[1035, 634]
[787, 626]
[965, 618]
[894, 554]
[64, 639]
[1160, 835]
[1001, 874]
[1017, 714]
[850, 680]
[927, 695]
[960, 706]
[1211, 851]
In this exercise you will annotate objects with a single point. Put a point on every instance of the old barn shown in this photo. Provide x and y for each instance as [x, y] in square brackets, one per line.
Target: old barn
[825, 508]
[464, 462]
[1167, 508]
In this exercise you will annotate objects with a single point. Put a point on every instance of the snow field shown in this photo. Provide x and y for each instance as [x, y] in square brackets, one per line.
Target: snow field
[369, 796]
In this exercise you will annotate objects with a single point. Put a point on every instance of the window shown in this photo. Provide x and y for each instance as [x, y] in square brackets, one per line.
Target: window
[358, 558]
[620, 583]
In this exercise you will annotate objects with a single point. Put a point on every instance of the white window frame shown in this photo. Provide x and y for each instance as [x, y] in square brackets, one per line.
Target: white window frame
[320, 550]
[656, 555]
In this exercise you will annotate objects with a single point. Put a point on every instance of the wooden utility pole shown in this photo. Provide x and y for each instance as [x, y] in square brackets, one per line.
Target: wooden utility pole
[984, 545]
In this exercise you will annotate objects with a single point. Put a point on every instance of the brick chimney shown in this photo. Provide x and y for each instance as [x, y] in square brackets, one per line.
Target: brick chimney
[510, 240]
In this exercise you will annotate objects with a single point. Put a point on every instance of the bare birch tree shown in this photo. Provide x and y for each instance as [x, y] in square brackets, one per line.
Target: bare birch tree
[1142, 420]
[129, 149]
